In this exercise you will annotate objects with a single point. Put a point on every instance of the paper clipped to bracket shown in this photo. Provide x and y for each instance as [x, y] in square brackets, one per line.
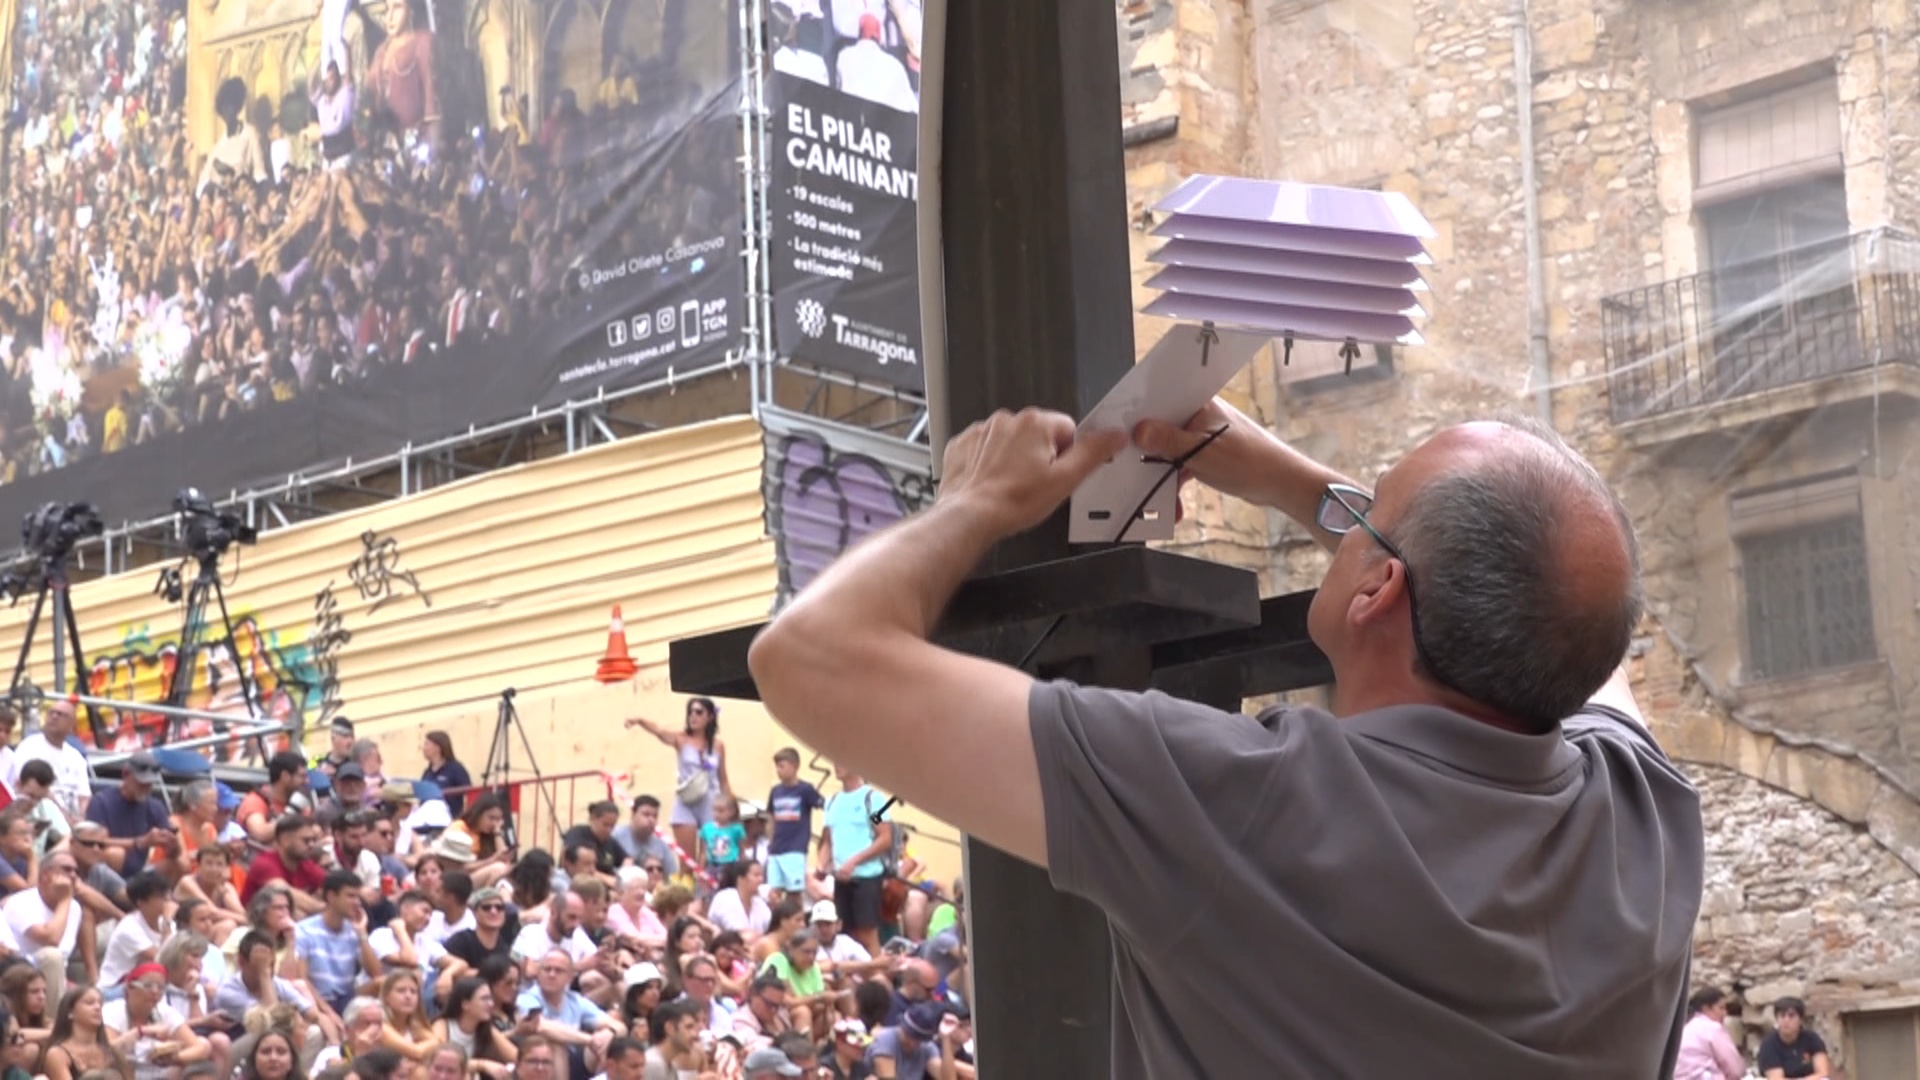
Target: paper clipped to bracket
[1189, 366]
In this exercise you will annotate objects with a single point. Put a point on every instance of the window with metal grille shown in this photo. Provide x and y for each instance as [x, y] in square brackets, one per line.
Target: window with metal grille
[1808, 605]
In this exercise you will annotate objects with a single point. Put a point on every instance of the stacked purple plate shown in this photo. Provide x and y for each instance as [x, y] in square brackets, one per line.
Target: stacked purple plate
[1293, 260]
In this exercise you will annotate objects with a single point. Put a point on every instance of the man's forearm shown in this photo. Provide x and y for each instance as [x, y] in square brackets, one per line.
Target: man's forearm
[1296, 483]
[897, 582]
[903, 578]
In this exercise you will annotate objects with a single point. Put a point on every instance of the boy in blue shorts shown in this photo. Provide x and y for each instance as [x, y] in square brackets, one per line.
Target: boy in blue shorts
[792, 803]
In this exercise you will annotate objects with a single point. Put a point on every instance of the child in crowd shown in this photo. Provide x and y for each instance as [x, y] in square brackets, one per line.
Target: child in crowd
[792, 803]
[722, 839]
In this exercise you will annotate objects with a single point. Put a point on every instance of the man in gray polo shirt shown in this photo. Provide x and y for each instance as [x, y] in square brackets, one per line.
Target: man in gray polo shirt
[1478, 863]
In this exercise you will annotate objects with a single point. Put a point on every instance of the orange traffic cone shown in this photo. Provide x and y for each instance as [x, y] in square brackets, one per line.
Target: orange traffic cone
[616, 666]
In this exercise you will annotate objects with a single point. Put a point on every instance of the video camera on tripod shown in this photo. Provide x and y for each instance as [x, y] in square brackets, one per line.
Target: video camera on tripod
[49, 535]
[208, 533]
[209, 530]
[206, 628]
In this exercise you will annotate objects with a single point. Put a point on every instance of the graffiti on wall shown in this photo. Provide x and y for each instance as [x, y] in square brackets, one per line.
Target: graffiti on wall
[293, 671]
[142, 666]
[328, 636]
[376, 574]
[821, 500]
[377, 571]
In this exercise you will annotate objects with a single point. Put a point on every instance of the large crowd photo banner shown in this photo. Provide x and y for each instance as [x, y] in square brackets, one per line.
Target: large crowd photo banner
[844, 96]
[241, 239]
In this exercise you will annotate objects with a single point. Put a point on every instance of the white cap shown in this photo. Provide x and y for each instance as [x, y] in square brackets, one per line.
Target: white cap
[232, 833]
[643, 972]
[432, 814]
[749, 809]
[824, 911]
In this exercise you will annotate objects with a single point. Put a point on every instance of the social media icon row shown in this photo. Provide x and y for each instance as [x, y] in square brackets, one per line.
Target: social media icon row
[644, 325]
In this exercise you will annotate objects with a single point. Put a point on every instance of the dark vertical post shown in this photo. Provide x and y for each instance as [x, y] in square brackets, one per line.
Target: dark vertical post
[1039, 298]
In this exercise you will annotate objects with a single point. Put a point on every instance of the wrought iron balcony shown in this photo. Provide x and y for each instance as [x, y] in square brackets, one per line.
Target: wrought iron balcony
[1801, 317]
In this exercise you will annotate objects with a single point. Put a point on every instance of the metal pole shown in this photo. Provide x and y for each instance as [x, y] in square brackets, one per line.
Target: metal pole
[161, 709]
[59, 587]
[26, 643]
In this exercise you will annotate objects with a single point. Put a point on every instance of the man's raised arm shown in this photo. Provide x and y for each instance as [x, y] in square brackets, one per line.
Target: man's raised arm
[1245, 461]
[847, 667]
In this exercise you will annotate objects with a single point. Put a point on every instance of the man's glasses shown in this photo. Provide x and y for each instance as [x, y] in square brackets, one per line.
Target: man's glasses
[491, 909]
[91, 845]
[653, 868]
[1344, 507]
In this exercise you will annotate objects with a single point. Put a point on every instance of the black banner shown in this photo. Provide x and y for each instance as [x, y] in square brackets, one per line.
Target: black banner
[245, 239]
[846, 294]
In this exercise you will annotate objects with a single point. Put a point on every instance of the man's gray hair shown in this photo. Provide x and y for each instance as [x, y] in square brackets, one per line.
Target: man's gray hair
[363, 748]
[360, 1006]
[195, 791]
[1495, 620]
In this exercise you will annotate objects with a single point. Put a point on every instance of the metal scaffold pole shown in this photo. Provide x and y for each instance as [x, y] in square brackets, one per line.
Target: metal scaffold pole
[758, 321]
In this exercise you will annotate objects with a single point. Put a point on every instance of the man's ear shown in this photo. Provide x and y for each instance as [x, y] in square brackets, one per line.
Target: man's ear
[1378, 590]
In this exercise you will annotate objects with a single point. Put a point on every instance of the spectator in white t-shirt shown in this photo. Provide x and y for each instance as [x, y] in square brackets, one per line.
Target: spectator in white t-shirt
[136, 939]
[403, 944]
[165, 1041]
[51, 926]
[560, 930]
[453, 914]
[53, 744]
[844, 956]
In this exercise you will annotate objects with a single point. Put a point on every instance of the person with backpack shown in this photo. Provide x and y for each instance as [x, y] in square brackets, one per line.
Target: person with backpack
[856, 845]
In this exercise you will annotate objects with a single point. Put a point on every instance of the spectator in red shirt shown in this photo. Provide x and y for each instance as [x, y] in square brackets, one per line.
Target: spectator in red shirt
[290, 861]
[286, 774]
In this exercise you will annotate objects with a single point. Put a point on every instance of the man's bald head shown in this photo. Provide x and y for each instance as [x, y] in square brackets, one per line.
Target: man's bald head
[1526, 568]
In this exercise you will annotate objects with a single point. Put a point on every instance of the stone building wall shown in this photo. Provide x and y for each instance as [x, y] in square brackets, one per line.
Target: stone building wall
[1422, 97]
[1795, 895]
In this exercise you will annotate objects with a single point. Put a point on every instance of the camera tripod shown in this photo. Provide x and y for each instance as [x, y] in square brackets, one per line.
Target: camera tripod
[205, 596]
[498, 775]
[52, 571]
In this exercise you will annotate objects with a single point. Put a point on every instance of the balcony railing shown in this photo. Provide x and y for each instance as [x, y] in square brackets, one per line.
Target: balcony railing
[1801, 316]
